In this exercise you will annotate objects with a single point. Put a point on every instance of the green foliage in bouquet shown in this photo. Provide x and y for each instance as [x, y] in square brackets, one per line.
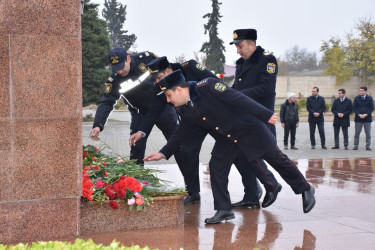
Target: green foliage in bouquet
[115, 178]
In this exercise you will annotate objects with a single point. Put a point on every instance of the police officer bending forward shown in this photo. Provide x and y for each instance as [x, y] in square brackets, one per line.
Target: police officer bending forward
[210, 104]
[126, 70]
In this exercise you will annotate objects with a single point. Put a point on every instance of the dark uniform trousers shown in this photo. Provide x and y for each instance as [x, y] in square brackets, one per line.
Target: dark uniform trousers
[190, 156]
[167, 122]
[220, 166]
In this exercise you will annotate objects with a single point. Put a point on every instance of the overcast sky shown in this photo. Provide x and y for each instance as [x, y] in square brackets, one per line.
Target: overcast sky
[175, 27]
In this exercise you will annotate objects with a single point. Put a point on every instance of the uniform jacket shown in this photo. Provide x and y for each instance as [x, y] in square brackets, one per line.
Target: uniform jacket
[289, 112]
[344, 107]
[258, 76]
[365, 106]
[228, 115]
[314, 105]
[192, 71]
[137, 99]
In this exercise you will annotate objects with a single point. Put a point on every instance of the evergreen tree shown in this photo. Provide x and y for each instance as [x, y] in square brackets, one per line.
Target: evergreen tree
[214, 48]
[95, 47]
[115, 15]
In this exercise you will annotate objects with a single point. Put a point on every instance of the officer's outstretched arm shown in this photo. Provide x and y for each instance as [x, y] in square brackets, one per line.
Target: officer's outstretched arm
[153, 157]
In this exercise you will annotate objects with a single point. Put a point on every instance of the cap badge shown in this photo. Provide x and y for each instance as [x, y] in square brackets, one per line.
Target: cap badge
[200, 67]
[162, 88]
[220, 87]
[114, 59]
[271, 67]
[142, 67]
[235, 36]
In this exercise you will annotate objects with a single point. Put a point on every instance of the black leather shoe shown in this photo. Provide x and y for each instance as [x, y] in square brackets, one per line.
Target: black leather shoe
[312, 147]
[192, 199]
[335, 147]
[355, 148]
[219, 216]
[246, 204]
[346, 148]
[368, 148]
[324, 147]
[308, 199]
[293, 147]
[270, 197]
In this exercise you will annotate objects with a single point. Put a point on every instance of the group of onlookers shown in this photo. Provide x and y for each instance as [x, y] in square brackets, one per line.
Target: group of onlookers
[342, 108]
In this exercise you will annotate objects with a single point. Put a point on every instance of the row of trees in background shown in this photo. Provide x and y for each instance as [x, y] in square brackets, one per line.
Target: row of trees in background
[353, 57]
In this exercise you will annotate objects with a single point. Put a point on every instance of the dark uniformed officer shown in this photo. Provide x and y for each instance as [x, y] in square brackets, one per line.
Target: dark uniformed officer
[256, 77]
[237, 123]
[192, 71]
[126, 71]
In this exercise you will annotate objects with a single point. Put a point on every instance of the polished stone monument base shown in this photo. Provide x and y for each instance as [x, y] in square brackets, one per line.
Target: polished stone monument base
[165, 211]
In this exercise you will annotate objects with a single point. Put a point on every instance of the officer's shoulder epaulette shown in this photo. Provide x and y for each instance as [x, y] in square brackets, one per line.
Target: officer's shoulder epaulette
[112, 77]
[185, 64]
[202, 83]
[146, 54]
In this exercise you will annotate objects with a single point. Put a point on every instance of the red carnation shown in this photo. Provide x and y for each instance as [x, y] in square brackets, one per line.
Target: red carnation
[100, 184]
[114, 204]
[110, 193]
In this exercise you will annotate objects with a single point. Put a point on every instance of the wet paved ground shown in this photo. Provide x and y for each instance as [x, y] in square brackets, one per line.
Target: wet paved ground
[343, 217]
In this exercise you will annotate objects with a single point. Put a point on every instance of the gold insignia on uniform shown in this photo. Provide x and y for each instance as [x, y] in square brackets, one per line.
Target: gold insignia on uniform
[108, 88]
[155, 55]
[235, 36]
[147, 54]
[110, 79]
[200, 67]
[220, 87]
[271, 68]
[114, 59]
[266, 53]
[162, 88]
[142, 67]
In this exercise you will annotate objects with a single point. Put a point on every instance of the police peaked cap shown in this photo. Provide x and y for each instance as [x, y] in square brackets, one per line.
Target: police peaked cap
[117, 57]
[171, 80]
[244, 34]
[158, 65]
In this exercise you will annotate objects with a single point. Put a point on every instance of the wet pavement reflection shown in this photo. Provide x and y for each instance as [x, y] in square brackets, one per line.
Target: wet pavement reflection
[343, 217]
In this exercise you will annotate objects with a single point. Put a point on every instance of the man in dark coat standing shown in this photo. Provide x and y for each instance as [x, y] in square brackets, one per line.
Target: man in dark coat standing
[238, 124]
[341, 108]
[255, 76]
[289, 120]
[316, 105]
[363, 107]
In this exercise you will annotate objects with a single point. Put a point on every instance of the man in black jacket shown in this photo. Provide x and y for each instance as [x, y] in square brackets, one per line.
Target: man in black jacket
[238, 124]
[127, 70]
[316, 105]
[289, 120]
[341, 108]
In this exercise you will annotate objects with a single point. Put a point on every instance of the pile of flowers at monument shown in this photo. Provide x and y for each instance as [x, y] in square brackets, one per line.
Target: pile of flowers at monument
[115, 178]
